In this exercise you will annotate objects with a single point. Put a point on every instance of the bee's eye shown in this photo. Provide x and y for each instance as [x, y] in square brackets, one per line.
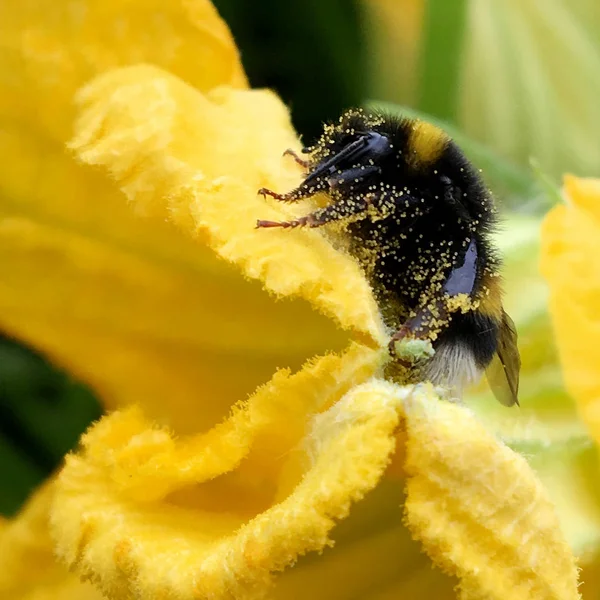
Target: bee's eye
[377, 145]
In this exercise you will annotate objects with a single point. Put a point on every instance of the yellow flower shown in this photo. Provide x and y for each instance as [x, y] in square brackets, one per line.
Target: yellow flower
[251, 432]
[572, 268]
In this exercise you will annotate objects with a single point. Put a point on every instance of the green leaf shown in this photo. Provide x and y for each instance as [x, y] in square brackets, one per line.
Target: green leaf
[546, 183]
[441, 63]
[42, 414]
[319, 46]
[20, 476]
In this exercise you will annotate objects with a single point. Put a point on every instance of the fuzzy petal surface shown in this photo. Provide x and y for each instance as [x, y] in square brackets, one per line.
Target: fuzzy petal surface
[571, 265]
[136, 524]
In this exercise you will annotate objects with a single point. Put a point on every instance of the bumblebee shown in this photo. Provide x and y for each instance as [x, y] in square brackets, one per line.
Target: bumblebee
[416, 215]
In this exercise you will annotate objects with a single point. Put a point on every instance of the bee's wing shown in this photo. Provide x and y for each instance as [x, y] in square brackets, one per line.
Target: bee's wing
[503, 372]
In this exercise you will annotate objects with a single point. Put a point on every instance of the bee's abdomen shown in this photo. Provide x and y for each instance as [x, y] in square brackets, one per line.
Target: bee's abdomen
[462, 352]
[475, 331]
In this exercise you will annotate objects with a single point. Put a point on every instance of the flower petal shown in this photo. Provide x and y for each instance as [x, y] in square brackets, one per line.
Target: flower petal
[118, 511]
[109, 302]
[102, 292]
[373, 557]
[570, 249]
[28, 568]
[48, 49]
[199, 160]
[269, 424]
[480, 511]
[106, 294]
[109, 295]
[224, 537]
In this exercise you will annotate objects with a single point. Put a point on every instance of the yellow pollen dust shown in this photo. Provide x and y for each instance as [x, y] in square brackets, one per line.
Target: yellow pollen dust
[461, 303]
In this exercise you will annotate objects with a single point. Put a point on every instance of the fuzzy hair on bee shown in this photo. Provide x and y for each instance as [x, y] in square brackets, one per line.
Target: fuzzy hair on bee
[418, 218]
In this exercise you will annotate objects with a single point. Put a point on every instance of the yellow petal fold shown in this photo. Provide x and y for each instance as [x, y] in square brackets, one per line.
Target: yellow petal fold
[198, 160]
[147, 316]
[268, 424]
[49, 48]
[136, 523]
[571, 265]
[480, 511]
[107, 294]
[28, 567]
[222, 538]
[100, 291]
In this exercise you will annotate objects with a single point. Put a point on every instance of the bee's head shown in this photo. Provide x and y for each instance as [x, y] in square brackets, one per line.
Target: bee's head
[348, 151]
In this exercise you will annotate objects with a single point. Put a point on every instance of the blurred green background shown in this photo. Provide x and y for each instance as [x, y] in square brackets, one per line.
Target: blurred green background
[516, 82]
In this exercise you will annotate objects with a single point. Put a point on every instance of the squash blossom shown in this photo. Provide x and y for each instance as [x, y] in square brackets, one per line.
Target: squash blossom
[250, 448]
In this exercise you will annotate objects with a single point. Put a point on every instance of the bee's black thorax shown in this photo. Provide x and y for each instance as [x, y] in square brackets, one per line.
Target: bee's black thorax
[426, 203]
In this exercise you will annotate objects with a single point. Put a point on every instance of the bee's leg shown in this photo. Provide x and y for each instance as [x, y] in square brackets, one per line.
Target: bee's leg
[300, 161]
[335, 180]
[426, 324]
[434, 315]
[315, 181]
[302, 191]
[334, 212]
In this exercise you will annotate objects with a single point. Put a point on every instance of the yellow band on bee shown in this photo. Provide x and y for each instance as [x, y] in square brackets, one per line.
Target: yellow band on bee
[490, 303]
[426, 143]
